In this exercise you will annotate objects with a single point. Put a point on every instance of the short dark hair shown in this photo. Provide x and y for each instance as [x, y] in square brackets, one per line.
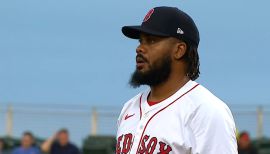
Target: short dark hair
[193, 62]
[28, 133]
[63, 130]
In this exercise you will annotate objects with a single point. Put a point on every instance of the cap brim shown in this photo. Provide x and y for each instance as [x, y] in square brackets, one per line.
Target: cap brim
[134, 32]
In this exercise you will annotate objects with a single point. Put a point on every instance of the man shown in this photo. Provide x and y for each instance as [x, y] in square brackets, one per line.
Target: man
[27, 147]
[175, 115]
[3, 149]
[244, 144]
[2, 146]
[59, 144]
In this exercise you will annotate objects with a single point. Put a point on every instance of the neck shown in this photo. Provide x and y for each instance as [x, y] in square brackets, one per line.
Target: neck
[167, 88]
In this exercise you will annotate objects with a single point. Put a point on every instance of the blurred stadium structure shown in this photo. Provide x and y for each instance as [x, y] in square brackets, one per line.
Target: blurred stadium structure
[82, 121]
[45, 120]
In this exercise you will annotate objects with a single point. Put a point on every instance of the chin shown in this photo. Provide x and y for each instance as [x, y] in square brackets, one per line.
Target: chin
[142, 70]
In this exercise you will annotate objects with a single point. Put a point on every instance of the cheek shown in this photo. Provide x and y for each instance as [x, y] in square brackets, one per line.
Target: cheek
[158, 60]
[156, 53]
[153, 56]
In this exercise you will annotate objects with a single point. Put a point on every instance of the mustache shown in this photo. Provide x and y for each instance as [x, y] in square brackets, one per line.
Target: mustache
[141, 57]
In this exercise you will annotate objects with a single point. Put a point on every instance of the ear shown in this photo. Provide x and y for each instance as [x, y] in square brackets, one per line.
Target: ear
[180, 50]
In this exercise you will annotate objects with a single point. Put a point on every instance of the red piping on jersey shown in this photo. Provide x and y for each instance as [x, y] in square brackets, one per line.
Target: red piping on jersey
[160, 111]
[127, 110]
[141, 107]
[151, 103]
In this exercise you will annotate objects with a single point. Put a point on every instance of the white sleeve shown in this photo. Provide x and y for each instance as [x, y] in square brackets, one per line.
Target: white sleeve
[125, 107]
[213, 128]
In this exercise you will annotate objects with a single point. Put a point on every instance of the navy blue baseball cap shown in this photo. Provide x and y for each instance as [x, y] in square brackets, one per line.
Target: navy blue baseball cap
[166, 22]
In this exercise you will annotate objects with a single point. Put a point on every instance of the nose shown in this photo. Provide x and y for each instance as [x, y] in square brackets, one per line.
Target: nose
[140, 49]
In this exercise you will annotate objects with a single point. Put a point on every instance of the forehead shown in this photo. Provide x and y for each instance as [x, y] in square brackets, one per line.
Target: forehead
[145, 35]
[62, 133]
[27, 137]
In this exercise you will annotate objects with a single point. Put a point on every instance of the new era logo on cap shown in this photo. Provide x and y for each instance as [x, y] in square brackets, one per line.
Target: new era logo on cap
[179, 31]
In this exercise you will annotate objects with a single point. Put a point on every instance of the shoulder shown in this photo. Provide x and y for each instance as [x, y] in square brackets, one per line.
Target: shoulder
[36, 149]
[207, 108]
[132, 101]
[54, 146]
[73, 147]
[210, 116]
[202, 99]
[202, 106]
[16, 150]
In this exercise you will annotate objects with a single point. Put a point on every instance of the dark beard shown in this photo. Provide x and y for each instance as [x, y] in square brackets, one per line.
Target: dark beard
[158, 73]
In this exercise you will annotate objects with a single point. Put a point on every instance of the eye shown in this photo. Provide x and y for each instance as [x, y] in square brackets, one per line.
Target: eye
[151, 40]
[148, 40]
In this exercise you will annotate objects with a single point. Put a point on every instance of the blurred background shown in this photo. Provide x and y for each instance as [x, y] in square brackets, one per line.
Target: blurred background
[66, 64]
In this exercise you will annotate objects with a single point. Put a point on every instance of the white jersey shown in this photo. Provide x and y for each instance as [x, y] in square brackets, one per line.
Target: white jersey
[191, 121]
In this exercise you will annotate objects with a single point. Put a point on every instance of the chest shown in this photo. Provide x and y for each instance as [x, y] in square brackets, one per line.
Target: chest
[27, 151]
[63, 150]
[161, 130]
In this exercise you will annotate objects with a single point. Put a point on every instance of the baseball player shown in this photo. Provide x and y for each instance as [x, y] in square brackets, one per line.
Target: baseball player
[175, 115]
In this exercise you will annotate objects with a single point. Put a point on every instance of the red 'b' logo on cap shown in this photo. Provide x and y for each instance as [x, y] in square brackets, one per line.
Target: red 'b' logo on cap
[148, 15]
